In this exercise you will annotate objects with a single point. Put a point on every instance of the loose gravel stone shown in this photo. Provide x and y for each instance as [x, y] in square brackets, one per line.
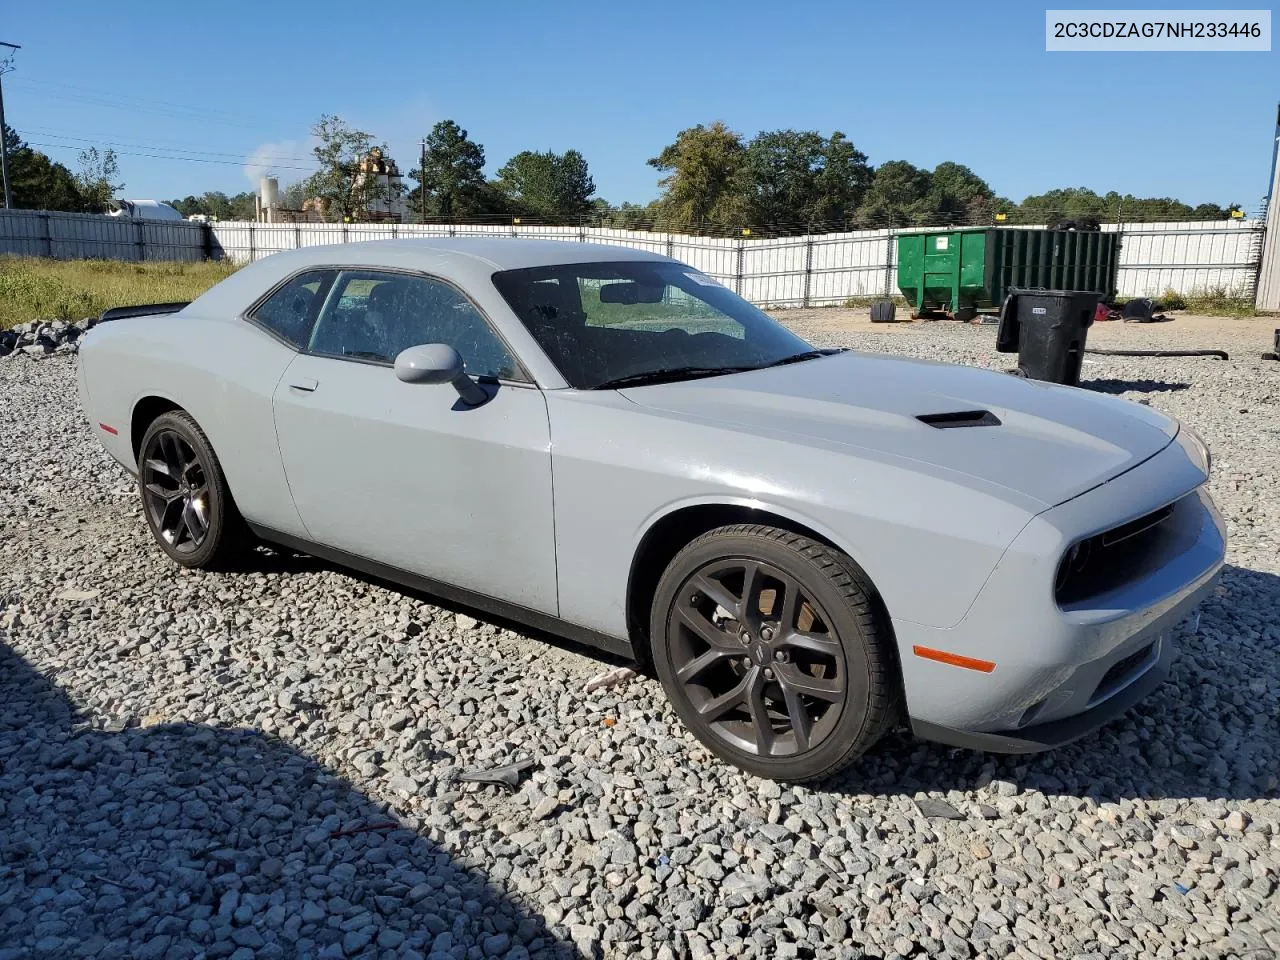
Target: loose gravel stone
[264, 763]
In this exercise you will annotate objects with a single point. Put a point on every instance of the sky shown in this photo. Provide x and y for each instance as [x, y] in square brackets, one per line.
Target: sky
[197, 97]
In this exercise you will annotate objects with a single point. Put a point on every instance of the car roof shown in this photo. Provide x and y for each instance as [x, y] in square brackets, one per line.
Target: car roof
[466, 261]
[500, 253]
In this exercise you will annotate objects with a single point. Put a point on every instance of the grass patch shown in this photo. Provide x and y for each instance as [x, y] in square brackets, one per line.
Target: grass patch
[1220, 302]
[37, 289]
[1208, 302]
[865, 303]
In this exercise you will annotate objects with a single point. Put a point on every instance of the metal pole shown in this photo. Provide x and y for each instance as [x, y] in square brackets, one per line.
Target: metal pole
[4, 146]
[422, 184]
[4, 153]
[1275, 152]
[808, 266]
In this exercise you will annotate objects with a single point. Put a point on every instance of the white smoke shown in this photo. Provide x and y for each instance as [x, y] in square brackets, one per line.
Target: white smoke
[279, 159]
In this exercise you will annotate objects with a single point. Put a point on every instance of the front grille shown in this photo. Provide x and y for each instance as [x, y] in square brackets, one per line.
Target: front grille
[1111, 558]
[1123, 672]
[1137, 527]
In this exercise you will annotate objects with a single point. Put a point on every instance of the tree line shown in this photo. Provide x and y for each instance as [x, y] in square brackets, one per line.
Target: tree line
[712, 178]
[38, 183]
[784, 182]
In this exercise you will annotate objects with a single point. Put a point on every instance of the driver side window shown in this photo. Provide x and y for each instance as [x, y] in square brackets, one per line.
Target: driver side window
[372, 315]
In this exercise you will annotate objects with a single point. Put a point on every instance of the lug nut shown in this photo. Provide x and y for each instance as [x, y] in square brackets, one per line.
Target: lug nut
[768, 674]
[766, 634]
[780, 656]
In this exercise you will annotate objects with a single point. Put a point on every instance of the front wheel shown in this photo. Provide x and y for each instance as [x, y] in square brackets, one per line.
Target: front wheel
[774, 652]
[185, 495]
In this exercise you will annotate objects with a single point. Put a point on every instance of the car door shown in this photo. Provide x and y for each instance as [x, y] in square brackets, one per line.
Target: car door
[404, 473]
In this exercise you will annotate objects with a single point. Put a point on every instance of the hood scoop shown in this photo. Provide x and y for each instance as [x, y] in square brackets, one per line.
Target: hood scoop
[960, 418]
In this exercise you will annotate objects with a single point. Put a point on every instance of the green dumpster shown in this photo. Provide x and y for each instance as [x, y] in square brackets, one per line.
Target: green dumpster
[965, 272]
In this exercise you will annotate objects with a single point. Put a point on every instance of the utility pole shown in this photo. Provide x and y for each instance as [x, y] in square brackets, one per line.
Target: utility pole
[6, 61]
[422, 184]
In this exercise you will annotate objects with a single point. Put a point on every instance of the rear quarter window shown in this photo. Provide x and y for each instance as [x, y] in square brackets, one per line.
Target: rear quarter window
[290, 312]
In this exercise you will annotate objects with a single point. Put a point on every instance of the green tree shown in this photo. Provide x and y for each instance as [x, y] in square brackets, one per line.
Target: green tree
[95, 181]
[572, 184]
[898, 195]
[217, 205]
[1211, 211]
[1082, 204]
[842, 183]
[777, 180]
[293, 195]
[958, 195]
[188, 206]
[242, 206]
[548, 185]
[344, 190]
[454, 174]
[35, 181]
[701, 185]
[633, 216]
[1076, 203]
[792, 179]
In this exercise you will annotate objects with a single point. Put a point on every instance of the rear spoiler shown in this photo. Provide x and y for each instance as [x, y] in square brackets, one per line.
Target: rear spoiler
[141, 310]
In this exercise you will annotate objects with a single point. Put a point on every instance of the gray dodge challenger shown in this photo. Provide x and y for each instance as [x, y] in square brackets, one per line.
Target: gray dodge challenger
[808, 546]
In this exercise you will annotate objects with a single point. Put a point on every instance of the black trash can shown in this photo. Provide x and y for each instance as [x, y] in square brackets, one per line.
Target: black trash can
[1047, 330]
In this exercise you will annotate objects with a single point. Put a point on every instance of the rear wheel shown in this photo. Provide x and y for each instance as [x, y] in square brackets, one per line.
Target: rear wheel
[185, 496]
[773, 652]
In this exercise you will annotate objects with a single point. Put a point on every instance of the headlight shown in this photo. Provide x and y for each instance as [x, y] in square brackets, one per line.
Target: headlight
[1195, 446]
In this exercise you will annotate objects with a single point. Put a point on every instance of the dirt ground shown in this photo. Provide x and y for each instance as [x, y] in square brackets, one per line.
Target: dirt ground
[1243, 335]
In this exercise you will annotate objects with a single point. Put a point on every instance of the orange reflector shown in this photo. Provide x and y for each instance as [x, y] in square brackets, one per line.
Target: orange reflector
[954, 659]
[109, 429]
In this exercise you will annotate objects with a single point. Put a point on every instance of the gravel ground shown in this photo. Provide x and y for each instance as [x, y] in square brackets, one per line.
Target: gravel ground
[265, 763]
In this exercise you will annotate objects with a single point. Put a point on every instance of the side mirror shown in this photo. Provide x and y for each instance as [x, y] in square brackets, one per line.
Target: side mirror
[438, 363]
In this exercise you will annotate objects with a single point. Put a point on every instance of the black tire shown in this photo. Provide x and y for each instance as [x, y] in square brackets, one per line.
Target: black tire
[966, 314]
[884, 311]
[826, 695]
[185, 497]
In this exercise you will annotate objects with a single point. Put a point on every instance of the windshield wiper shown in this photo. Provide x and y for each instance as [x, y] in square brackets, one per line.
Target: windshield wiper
[666, 375]
[801, 357]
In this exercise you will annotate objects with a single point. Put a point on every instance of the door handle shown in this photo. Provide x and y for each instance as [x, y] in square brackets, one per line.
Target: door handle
[306, 384]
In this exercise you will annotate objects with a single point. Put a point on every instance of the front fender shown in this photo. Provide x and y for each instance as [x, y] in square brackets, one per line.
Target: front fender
[927, 544]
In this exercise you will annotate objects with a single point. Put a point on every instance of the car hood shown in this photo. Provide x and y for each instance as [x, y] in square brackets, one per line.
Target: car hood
[1051, 444]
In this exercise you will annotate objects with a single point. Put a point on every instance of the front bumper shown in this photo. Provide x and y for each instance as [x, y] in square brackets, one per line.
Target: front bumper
[1056, 733]
[1061, 673]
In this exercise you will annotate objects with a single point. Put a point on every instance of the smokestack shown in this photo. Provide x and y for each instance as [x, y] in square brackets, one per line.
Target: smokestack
[270, 190]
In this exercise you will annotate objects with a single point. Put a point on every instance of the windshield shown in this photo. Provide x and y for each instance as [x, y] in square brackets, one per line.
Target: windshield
[622, 323]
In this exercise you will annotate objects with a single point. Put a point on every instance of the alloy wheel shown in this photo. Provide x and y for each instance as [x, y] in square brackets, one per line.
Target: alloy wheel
[176, 491]
[757, 658]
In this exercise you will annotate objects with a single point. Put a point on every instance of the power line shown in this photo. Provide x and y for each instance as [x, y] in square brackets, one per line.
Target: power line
[160, 156]
[137, 143]
[172, 113]
[96, 93]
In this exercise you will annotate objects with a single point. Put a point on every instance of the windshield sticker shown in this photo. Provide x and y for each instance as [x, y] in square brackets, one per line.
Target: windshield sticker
[702, 279]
